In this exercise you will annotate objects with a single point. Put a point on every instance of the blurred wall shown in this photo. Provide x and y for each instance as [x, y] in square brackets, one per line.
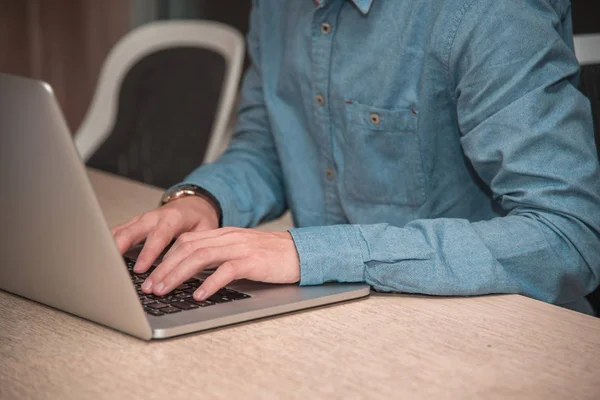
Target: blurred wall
[63, 42]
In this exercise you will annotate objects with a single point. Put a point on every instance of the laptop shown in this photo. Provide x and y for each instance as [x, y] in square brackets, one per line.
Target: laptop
[57, 248]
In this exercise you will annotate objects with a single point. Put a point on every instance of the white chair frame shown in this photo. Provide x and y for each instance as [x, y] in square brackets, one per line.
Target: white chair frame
[150, 38]
[587, 48]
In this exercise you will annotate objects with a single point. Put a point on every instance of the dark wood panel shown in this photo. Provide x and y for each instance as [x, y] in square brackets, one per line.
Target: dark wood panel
[63, 42]
[14, 37]
[62, 62]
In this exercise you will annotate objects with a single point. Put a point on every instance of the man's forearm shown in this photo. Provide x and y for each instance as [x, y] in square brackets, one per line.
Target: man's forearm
[515, 254]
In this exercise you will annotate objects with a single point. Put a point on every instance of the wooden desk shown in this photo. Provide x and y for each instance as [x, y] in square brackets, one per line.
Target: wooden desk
[385, 346]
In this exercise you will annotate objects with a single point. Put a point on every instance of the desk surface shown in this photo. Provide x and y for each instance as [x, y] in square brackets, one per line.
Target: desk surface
[386, 345]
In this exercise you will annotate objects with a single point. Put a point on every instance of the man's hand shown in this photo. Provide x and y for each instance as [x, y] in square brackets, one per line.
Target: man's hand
[238, 254]
[159, 227]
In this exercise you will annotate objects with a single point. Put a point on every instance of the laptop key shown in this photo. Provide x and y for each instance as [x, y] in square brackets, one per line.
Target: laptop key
[217, 298]
[154, 312]
[214, 300]
[158, 305]
[205, 303]
[170, 310]
[184, 305]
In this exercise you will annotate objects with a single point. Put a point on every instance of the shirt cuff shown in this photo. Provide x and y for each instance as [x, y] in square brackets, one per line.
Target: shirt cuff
[330, 253]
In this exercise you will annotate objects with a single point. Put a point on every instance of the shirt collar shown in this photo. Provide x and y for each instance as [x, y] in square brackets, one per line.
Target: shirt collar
[363, 5]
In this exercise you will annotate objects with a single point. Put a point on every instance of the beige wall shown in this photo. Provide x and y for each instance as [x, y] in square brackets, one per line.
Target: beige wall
[63, 42]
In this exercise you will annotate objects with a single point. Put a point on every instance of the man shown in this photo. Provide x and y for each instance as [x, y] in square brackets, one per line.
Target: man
[435, 147]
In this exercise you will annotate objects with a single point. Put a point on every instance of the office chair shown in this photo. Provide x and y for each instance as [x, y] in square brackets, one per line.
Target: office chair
[163, 101]
[587, 50]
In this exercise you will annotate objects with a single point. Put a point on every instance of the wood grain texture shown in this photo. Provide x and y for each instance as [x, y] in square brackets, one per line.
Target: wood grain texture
[393, 346]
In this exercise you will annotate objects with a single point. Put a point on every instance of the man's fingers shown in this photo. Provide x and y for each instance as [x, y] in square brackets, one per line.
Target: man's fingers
[197, 261]
[185, 238]
[156, 241]
[194, 252]
[132, 221]
[223, 276]
[165, 267]
[130, 236]
[136, 231]
[202, 235]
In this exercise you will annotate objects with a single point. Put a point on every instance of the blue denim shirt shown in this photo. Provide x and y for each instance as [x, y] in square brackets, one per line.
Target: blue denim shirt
[435, 147]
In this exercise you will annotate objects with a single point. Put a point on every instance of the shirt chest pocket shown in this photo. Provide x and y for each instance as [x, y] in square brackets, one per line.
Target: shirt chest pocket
[382, 156]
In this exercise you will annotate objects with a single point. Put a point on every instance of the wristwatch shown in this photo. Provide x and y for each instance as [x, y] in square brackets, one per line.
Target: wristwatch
[181, 191]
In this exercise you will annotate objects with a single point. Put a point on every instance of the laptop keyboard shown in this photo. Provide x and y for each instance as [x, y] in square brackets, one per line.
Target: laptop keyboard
[179, 299]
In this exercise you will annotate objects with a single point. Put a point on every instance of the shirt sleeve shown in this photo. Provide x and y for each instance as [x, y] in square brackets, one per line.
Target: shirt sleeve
[247, 179]
[527, 131]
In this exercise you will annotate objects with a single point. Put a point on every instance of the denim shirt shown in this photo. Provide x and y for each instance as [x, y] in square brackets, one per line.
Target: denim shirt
[436, 146]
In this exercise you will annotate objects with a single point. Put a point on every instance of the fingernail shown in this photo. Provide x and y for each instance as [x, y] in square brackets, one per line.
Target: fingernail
[137, 269]
[159, 287]
[199, 295]
[147, 285]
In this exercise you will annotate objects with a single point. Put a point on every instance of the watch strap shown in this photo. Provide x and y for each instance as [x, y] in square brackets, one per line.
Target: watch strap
[181, 191]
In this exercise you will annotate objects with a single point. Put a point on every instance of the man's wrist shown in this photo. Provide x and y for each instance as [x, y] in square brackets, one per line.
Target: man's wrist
[182, 191]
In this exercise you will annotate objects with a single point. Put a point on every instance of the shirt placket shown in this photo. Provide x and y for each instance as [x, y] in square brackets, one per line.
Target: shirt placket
[322, 30]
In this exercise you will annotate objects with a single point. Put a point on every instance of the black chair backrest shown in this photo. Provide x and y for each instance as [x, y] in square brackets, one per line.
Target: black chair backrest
[167, 105]
[590, 86]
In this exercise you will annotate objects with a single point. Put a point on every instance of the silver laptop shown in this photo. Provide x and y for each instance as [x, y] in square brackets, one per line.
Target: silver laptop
[57, 248]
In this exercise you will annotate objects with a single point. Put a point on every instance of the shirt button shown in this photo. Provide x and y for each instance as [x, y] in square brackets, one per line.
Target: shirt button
[320, 99]
[329, 173]
[375, 118]
[325, 28]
